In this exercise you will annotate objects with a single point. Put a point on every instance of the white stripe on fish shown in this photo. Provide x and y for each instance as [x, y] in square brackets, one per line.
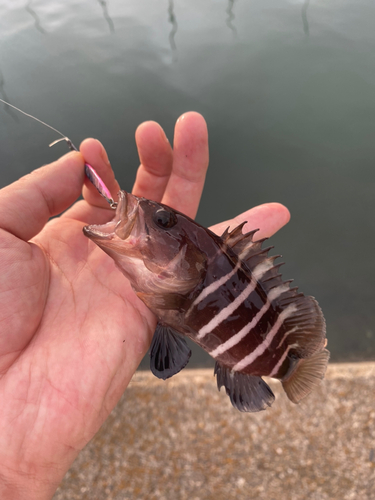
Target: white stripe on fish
[232, 341]
[258, 272]
[227, 311]
[214, 286]
[250, 358]
[280, 362]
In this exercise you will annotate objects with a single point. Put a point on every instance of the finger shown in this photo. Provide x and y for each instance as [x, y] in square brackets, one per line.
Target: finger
[190, 162]
[27, 204]
[86, 213]
[268, 218]
[96, 156]
[156, 156]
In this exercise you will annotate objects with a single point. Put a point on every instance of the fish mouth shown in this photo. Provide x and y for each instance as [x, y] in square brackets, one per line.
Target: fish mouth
[121, 225]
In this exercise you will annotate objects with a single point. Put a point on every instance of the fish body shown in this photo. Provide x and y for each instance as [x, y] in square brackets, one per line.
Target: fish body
[225, 293]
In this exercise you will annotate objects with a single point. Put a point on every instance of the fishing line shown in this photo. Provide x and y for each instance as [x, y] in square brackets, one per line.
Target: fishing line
[37, 119]
[90, 172]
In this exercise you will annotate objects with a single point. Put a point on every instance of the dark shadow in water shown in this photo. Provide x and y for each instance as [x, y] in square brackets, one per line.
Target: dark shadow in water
[35, 16]
[107, 17]
[305, 22]
[231, 17]
[3, 94]
[172, 20]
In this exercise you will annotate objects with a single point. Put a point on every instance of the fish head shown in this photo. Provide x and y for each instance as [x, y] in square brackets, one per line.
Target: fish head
[154, 246]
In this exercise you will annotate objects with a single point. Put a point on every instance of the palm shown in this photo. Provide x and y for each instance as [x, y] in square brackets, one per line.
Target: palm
[77, 356]
[92, 311]
[73, 331]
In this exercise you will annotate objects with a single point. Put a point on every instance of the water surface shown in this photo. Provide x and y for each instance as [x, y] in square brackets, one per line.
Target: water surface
[287, 89]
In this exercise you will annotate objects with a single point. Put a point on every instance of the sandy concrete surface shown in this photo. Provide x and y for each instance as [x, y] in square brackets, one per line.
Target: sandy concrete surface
[181, 439]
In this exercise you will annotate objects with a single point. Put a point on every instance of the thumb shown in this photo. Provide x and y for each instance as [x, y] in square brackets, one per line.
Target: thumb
[27, 204]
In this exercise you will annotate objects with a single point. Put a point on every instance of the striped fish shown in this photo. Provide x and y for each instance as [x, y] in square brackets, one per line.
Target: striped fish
[225, 293]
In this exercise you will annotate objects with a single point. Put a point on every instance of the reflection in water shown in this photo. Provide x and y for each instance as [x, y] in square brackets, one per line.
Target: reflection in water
[36, 18]
[172, 20]
[231, 17]
[107, 17]
[7, 108]
[305, 6]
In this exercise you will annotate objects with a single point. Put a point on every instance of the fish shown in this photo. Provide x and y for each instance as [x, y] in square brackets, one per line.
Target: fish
[224, 293]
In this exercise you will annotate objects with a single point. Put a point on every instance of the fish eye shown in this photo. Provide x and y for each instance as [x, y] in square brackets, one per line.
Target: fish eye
[164, 218]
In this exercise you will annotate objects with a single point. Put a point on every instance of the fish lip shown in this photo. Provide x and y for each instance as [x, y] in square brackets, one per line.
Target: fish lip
[121, 225]
[94, 233]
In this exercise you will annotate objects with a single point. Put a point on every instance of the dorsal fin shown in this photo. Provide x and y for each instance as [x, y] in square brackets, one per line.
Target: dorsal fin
[246, 248]
[272, 278]
[254, 256]
[225, 234]
[257, 260]
[236, 235]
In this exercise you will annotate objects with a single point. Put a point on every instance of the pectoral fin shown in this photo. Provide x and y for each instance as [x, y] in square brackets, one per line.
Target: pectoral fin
[246, 392]
[169, 353]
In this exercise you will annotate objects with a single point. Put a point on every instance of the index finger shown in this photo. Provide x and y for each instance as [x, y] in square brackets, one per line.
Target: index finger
[190, 162]
[156, 156]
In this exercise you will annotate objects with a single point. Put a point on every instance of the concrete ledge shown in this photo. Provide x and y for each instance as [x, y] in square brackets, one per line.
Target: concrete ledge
[181, 439]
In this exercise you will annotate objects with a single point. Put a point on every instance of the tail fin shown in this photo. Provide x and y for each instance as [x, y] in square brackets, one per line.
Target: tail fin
[306, 376]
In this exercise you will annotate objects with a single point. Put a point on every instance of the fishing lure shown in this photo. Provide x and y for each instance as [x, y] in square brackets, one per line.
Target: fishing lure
[91, 174]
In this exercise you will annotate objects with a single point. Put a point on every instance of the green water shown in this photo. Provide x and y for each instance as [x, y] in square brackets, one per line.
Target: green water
[287, 89]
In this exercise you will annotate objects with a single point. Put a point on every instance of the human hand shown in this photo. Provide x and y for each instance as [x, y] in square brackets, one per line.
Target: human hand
[72, 330]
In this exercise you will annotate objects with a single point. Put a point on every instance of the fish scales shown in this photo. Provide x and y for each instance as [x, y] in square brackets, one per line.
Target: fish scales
[225, 293]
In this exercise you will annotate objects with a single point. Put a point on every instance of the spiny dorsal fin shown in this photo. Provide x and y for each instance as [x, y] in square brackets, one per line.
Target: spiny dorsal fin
[257, 260]
[246, 249]
[243, 244]
[236, 236]
[306, 376]
[225, 234]
[255, 257]
[272, 278]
